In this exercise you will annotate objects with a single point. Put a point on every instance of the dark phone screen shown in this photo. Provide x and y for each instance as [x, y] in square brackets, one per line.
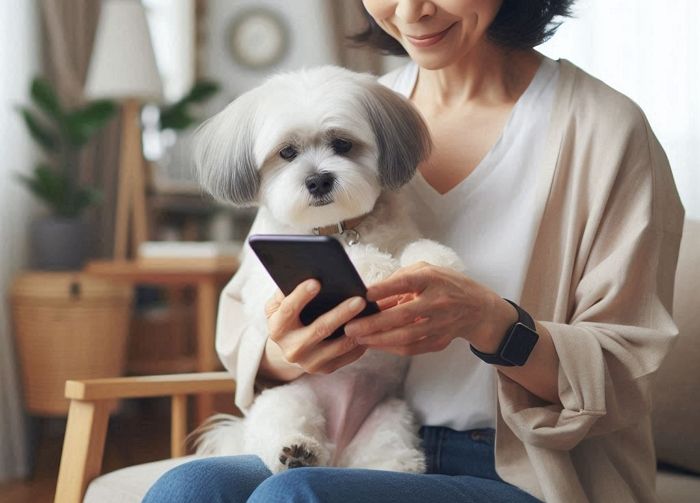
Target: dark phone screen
[291, 259]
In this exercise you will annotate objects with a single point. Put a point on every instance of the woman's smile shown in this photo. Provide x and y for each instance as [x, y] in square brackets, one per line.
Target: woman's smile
[429, 40]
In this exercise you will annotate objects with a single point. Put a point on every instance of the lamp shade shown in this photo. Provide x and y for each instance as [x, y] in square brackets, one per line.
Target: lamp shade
[123, 63]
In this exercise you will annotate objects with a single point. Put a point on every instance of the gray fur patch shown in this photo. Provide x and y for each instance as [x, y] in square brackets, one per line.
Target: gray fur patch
[402, 136]
[223, 155]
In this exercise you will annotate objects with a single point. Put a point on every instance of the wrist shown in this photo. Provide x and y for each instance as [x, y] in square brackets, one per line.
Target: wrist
[502, 316]
[274, 365]
[517, 344]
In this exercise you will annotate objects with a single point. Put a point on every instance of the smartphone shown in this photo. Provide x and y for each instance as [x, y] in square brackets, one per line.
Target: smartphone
[291, 259]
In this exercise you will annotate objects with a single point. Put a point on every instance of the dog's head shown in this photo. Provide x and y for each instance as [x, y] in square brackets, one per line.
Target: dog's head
[315, 147]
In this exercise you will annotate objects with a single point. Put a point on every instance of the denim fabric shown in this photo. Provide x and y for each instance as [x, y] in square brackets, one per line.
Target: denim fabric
[460, 469]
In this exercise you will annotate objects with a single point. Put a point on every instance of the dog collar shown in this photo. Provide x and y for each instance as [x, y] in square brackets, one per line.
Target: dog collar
[346, 228]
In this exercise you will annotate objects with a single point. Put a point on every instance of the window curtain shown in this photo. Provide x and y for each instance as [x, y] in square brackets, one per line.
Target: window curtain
[20, 59]
[348, 20]
[69, 28]
[649, 51]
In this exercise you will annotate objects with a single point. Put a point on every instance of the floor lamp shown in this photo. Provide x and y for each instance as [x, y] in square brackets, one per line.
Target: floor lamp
[123, 67]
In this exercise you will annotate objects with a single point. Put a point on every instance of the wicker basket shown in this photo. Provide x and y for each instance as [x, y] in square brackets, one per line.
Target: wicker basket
[67, 326]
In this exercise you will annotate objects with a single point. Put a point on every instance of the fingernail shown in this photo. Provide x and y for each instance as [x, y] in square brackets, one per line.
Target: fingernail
[356, 303]
[312, 287]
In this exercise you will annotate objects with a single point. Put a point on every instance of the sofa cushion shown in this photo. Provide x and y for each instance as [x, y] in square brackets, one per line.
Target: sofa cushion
[677, 488]
[129, 485]
[677, 387]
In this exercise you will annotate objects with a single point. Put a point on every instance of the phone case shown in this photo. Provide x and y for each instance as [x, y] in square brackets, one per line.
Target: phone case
[291, 259]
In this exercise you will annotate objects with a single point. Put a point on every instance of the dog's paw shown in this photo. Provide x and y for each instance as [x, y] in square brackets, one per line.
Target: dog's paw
[297, 456]
[426, 250]
[372, 264]
[300, 451]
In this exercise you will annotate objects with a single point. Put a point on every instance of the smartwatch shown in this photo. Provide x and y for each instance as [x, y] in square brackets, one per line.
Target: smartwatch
[516, 346]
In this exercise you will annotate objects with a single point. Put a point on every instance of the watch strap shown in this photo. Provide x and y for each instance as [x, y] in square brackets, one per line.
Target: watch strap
[495, 358]
[523, 316]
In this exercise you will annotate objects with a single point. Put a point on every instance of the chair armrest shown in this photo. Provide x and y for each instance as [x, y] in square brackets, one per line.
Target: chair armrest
[83, 445]
[150, 386]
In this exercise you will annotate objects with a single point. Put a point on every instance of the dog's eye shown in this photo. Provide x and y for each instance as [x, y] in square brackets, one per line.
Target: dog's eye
[341, 146]
[288, 153]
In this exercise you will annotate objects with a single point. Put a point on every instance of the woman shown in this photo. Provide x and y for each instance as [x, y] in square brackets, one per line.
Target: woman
[555, 192]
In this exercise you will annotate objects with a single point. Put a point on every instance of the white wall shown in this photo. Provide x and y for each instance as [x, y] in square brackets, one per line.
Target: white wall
[311, 41]
[650, 51]
[19, 61]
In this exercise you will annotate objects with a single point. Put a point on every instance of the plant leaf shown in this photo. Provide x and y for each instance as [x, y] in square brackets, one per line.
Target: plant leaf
[83, 123]
[39, 131]
[84, 198]
[175, 117]
[99, 111]
[45, 98]
[47, 186]
[201, 91]
[52, 189]
[52, 186]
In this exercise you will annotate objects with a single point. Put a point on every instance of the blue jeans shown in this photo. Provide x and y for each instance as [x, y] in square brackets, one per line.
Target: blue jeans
[460, 469]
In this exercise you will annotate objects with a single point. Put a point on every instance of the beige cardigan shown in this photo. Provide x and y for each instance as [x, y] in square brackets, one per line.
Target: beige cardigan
[600, 280]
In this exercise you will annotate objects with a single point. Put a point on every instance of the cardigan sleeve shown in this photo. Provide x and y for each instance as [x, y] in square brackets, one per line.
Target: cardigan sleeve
[618, 326]
[239, 341]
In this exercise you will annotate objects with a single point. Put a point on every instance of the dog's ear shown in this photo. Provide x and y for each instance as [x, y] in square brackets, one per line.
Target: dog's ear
[402, 136]
[223, 153]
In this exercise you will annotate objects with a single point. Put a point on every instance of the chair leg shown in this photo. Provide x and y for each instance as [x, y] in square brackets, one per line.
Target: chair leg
[178, 426]
[83, 446]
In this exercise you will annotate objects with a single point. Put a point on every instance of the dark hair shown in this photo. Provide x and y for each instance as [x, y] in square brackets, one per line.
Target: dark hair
[519, 24]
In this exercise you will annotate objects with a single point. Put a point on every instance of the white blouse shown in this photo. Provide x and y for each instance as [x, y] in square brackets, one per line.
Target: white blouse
[489, 220]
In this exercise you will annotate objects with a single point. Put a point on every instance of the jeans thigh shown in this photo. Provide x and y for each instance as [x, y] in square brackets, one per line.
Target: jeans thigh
[471, 452]
[348, 485]
[225, 479]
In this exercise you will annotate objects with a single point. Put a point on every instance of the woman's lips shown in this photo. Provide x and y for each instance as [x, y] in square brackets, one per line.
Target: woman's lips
[428, 40]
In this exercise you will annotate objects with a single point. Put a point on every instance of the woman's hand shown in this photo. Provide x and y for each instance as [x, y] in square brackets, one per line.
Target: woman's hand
[293, 348]
[425, 307]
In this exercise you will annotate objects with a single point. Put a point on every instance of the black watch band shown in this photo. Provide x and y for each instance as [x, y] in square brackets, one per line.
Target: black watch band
[516, 346]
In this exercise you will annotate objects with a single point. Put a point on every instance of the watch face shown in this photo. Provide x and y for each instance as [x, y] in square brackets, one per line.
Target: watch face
[519, 345]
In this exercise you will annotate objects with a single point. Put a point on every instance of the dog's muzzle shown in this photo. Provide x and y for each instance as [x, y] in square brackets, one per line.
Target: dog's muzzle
[320, 185]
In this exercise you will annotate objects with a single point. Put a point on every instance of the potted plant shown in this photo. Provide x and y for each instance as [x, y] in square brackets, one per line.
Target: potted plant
[59, 240]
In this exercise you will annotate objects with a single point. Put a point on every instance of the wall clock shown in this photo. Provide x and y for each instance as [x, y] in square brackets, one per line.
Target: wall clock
[258, 38]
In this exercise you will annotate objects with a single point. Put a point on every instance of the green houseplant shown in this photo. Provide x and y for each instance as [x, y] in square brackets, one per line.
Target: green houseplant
[168, 131]
[177, 116]
[59, 240]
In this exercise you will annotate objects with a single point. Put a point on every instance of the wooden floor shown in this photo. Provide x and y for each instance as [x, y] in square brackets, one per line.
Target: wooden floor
[137, 434]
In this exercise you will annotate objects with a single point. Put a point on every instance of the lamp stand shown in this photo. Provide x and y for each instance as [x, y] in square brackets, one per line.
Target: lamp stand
[131, 192]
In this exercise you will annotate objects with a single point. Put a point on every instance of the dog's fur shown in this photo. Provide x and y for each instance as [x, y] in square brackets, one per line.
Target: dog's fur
[350, 417]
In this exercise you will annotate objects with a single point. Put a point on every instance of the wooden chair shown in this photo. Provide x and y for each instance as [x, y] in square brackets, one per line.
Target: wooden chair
[83, 446]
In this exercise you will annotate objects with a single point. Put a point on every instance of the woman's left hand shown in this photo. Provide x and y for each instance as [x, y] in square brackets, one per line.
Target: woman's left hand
[425, 307]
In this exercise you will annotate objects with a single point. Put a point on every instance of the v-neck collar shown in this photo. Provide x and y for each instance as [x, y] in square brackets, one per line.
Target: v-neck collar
[442, 201]
[406, 79]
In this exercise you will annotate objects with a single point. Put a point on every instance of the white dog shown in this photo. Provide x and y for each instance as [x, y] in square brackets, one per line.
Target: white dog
[323, 151]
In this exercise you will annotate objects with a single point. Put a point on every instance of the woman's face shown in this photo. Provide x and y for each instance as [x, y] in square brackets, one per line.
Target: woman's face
[435, 33]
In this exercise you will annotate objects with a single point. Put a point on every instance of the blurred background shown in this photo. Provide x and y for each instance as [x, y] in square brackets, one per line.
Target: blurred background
[111, 258]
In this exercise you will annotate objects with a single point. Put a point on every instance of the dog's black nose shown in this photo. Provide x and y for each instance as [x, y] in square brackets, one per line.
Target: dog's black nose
[320, 184]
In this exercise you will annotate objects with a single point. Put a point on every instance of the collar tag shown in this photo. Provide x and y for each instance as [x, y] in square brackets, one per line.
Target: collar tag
[352, 237]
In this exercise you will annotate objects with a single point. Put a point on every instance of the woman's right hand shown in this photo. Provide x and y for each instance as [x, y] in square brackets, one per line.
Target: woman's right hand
[293, 348]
